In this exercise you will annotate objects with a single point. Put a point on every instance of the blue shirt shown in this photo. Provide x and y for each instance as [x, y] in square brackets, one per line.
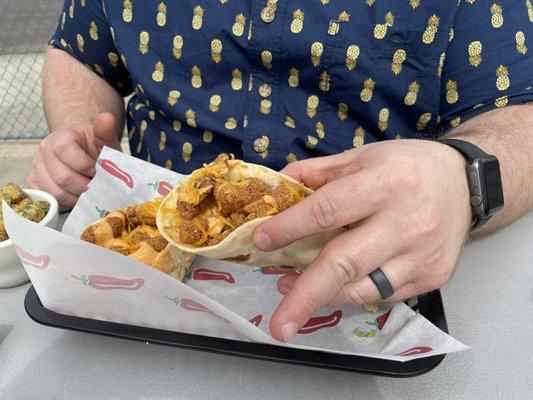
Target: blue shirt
[273, 81]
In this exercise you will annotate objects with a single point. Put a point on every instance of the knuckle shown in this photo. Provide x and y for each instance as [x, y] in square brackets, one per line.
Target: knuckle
[323, 212]
[63, 178]
[61, 146]
[429, 221]
[340, 265]
[407, 177]
[353, 296]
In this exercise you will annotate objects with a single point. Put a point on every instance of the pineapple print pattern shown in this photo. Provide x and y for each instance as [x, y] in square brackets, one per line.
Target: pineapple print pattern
[496, 18]
[312, 104]
[380, 30]
[187, 63]
[324, 81]
[196, 77]
[452, 96]
[342, 111]
[161, 17]
[412, 93]
[214, 103]
[320, 130]
[423, 121]
[352, 54]
[186, 151]
[502, 78]
[159, 72]
[429, 34]
[316, 53]
[293, 77]
[144, 39]
[177, 46]
[359, 137]
[236, 79]
[297, 23]
[173, 97]
[266, 58]
[474, 53]
[397, 61]
[197, 19]
[93, 31]
[521, 42]
[368, 90]
[127, 11]
[162, 140]
[238, 25]
[383, 119]
[216, 50]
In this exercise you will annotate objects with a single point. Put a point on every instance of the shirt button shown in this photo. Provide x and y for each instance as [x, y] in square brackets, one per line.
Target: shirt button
[268, 14]
[265, 90]
[261, 144]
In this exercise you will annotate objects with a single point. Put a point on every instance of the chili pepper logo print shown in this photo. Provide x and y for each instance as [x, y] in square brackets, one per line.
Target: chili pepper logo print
[380, 321]
[191, 305]
[111, 168]
[415, 350]
[256, 320]
[316, 323]
[102, 282]
[101, 212]
[161, 187]
[39, 262]
[204, 274]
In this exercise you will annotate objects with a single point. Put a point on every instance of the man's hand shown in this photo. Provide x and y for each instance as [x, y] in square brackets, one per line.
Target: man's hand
[406, 206]
[65, 161]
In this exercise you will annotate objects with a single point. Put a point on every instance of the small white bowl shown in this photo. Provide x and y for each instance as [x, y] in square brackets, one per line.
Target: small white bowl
[12, 272]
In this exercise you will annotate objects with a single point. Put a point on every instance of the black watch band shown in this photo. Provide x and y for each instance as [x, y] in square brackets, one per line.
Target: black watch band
[471, 153]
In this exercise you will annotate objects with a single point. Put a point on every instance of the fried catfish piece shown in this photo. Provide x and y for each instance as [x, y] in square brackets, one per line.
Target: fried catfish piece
[233, 197]
[259, 208]
[158, 243]
[218, 238]
[284, 195]
[190, 232]
[138, 215]
[205, 186]
[188, 211]
[237, 219]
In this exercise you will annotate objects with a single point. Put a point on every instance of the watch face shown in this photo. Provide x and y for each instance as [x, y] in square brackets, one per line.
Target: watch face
[493, 195]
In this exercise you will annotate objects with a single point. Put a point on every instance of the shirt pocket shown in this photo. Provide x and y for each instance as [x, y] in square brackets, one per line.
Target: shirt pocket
[385, 80]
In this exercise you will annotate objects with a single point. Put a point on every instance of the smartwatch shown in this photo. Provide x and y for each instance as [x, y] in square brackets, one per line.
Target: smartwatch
[484, 181]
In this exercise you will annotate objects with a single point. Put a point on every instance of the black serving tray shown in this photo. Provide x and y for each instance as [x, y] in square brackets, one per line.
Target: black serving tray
[429, 305]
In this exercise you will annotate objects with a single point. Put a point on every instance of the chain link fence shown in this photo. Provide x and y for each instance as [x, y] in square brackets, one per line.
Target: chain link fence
[25, 27]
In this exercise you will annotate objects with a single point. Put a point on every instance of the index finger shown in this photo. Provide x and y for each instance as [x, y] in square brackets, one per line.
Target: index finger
[339, 203]
[68, 150]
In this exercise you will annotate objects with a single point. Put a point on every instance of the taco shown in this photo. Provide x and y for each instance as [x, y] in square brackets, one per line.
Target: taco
[215, 211]
[132, 231]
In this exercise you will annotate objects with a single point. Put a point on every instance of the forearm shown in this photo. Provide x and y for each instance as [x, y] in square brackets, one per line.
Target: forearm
[506, 133]
[73, 94]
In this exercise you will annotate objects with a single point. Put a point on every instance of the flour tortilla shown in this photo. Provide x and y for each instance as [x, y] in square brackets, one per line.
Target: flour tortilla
[238, 245]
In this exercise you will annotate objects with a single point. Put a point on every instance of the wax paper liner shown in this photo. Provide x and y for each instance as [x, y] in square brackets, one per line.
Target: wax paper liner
[218, 298]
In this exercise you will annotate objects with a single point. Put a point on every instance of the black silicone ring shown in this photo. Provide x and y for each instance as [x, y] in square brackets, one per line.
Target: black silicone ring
[382, 283]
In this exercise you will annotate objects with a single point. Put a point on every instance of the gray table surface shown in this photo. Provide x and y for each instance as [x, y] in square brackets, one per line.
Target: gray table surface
[489, 306]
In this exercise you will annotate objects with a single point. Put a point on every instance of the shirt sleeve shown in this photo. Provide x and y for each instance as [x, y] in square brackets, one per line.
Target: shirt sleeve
[489, 60]
[84, 32]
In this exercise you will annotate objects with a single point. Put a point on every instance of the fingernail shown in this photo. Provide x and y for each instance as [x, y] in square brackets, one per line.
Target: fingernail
[284, 289]
[289, 330]
[262, 241]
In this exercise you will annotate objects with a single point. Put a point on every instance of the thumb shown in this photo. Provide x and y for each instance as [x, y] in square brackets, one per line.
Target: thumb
[105, 132]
